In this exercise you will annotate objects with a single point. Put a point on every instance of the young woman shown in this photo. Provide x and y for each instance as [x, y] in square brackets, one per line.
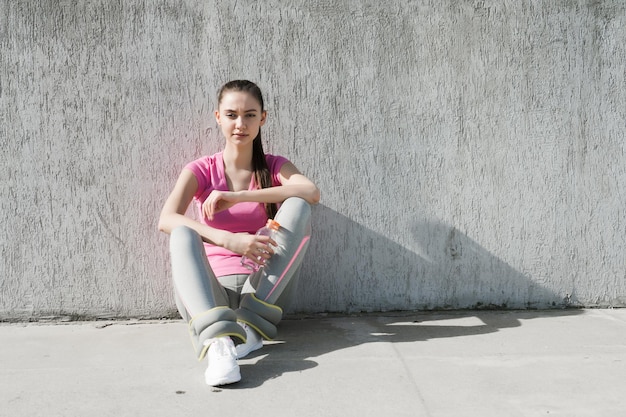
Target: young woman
[229, 309]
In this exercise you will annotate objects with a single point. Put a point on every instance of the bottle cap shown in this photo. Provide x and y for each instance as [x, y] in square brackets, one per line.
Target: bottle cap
[273, 224]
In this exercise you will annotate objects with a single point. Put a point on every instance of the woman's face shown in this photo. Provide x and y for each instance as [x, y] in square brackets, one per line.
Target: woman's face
[240, 117]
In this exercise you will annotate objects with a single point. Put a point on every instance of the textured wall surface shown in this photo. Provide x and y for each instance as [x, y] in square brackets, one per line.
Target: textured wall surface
[470, 153]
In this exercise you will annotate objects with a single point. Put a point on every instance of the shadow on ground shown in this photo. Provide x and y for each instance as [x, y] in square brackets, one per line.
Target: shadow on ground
[301, 340]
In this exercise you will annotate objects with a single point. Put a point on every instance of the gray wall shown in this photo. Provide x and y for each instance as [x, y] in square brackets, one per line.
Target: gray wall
[470, 153]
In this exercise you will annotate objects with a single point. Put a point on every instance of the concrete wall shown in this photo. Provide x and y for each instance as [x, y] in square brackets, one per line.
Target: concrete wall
[470, 153]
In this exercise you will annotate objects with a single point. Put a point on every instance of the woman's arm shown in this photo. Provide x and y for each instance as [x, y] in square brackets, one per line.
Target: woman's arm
[173, 212]
[297, 184]
[294, 184]
[173, 215]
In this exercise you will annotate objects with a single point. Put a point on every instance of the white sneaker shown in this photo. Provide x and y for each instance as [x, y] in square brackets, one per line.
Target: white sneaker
[254, 341]
[223, 368]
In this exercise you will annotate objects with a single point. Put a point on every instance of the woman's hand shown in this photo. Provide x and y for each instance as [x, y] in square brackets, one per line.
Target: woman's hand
[218, 201]
[256, 248]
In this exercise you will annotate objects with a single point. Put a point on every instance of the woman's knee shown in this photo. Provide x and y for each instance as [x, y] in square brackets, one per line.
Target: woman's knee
[297, 207]
[183, 237]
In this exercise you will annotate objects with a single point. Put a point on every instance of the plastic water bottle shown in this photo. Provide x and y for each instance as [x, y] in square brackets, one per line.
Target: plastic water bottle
[270, 230]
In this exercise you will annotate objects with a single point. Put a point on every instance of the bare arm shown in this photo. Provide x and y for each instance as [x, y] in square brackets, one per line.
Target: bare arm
[173, 212]
[294, 184]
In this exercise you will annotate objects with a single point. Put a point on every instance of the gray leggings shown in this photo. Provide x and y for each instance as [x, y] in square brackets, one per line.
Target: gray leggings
[212, 305]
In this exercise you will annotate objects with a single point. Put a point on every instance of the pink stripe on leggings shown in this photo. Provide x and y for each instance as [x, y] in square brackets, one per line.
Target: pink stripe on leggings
[293, 259]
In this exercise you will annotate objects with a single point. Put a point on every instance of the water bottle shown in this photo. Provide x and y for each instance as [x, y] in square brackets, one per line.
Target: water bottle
[270, 230]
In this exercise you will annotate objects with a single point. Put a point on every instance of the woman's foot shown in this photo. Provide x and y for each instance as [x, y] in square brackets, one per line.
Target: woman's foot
[254, 341]
[223, 368]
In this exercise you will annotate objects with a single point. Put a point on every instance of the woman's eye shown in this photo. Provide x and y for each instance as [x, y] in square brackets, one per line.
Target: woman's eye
[251, 115]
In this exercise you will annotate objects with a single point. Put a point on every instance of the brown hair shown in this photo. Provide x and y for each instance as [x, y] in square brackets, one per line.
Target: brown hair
[261, 171]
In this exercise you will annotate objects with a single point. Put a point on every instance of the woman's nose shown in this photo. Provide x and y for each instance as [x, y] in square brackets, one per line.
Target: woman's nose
[239, 122]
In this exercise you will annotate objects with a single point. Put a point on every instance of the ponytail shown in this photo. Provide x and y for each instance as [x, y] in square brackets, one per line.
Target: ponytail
[261, 172]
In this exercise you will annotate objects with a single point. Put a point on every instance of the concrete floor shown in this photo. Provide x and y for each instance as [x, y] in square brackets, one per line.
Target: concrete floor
[467, 363]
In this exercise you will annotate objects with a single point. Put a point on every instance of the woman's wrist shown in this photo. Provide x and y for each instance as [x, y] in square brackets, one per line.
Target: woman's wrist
[239, 196]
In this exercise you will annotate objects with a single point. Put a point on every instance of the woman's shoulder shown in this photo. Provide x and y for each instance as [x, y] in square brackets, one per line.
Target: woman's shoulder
[274, 164]
[207, 170]
[272, 159]
[205, 162]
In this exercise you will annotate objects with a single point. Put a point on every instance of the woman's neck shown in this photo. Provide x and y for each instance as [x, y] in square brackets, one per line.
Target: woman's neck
[238, 158]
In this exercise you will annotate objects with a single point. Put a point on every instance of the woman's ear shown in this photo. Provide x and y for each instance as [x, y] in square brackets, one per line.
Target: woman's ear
[263, 117]
[217, 116]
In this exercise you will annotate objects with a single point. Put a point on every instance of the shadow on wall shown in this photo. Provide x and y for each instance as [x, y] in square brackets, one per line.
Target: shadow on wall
[351, 268]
